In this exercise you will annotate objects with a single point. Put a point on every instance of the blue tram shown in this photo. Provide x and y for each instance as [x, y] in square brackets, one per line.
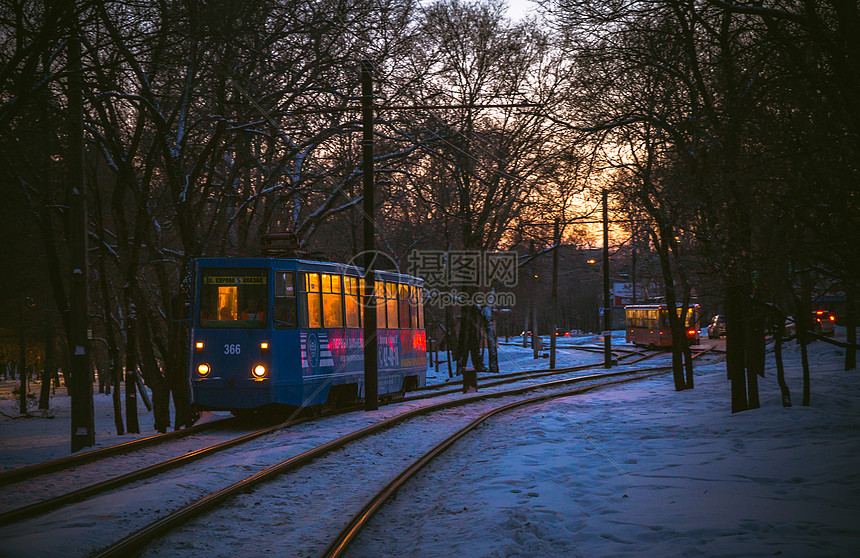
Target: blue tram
[288, 332]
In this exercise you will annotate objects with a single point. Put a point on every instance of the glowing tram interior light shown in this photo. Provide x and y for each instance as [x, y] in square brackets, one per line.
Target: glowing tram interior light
[203, 369]
[259, 371]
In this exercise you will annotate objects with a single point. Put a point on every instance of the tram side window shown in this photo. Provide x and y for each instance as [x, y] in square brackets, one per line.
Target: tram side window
[420, 299]
[362, 302]
[350, 298]
[691, 317]
[332, 302]
[413, 306]
[664, 318]
[380, 305]
[651, 319]
[285, 300]
[312, 311]
[391, 304]
[233, 298]
[641, 318]
[403, 303]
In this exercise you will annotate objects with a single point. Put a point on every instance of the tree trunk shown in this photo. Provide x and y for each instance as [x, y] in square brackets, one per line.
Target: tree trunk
[778, 335]
[735, 338]
[803, 322]
[50, 368]
[449, 325]
[851, 329]
[469, 341]
[154, 379]
[176, 369]
[116, 377]
[107, 318]
[492, 340]
[22, 360]
[688, 366]
[675, 323]
[131, 364]
[754, 352]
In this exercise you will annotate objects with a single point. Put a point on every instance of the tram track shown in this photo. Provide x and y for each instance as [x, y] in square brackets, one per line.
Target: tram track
[350, 531]
[38, 508]
[637, 356]
[139, 539]
[31, 472]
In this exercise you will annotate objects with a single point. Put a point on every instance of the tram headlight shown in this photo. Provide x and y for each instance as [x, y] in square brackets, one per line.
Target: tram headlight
[259, 371]
[203, 369]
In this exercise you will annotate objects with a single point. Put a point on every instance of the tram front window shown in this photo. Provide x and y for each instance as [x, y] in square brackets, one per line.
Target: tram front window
[233, 298]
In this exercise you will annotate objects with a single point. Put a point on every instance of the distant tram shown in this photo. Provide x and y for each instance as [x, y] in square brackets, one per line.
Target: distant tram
[268, 332]
[648, 325]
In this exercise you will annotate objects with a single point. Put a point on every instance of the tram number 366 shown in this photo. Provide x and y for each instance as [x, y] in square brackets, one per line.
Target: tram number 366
[232, 349]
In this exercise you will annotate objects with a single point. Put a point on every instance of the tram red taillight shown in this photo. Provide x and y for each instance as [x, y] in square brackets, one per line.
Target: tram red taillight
[691, 333]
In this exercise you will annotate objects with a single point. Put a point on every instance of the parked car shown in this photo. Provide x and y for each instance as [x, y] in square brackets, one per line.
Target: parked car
[717, 327]
[824, 322]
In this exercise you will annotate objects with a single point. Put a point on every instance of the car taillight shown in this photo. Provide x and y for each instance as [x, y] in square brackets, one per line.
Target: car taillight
[832, 318]
[691, 333]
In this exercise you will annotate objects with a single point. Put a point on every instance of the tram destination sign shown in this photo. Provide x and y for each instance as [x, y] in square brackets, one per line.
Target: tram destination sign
[234, 280]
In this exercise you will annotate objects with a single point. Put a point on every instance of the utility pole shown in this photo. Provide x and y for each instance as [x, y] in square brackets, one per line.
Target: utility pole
[371, 387]
[83, 422]
[22, 358]
[633, 258]
[554, 294]
[607, 317]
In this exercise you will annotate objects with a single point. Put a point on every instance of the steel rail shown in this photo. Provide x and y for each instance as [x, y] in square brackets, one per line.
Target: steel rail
[30, 471]
[135, 541]
[528, 374]
[359, 520]
[49, 504]
[44, 506]
[544, 371]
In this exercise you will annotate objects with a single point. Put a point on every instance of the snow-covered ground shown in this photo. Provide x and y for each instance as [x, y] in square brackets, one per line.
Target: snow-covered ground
[637, 469]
